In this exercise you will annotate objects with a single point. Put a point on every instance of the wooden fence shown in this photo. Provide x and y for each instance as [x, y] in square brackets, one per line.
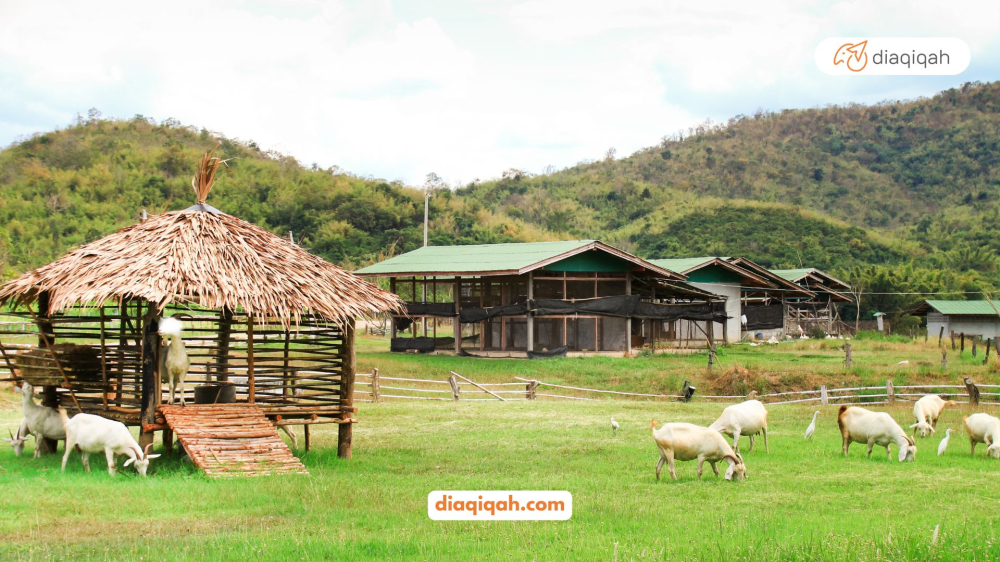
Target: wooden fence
[375, 387]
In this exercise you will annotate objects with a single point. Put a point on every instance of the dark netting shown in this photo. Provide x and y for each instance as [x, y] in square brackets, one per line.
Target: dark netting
[622, 305]
[557, 352]
[400, 345]
[477, 314]
[402, 324]
[430, 308]
[764, 317]
[715, 311]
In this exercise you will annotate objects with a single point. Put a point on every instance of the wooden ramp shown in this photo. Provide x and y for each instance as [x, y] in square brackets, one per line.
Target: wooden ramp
[231, 440]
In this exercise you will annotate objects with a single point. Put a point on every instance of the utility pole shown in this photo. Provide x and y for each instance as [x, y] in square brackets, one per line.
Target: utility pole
[427, 200]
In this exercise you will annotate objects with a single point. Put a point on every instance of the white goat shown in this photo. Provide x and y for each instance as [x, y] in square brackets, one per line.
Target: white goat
[17, 441]
[927, 410]
[94, 434]
[43, 422]
[858, 425]
[984, 428]
[686, 442]
[174, 360]
[746, 418]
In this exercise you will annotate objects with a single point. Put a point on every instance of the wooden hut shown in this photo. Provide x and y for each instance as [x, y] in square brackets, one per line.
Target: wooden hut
[260, 313]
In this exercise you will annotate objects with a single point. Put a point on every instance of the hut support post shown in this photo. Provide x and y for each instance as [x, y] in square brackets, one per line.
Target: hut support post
[151, 387]
[251, 379]
[345, 431]
[457, 324]
[49, 397]
[222, 359]
[530, 318]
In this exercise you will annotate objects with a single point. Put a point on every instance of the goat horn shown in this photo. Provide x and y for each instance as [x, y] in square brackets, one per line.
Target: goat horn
[9, 432]
[145, 452]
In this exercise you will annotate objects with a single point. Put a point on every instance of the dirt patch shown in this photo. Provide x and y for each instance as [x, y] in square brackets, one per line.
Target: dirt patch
[58, 529]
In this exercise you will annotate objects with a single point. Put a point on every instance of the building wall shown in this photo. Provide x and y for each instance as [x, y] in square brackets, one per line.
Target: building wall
[732, 291]
[985, 326]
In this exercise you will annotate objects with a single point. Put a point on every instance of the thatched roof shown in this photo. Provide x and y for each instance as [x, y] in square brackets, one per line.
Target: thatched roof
[205, 257]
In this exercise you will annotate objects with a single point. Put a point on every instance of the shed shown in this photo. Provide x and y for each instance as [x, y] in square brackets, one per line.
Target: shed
[260, 314]
[973, 318]
[821, 309]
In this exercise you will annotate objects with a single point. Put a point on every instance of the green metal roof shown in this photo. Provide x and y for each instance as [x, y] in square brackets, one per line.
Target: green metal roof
[970, 308]
[682, 264]
[792, 274]
[493, 259]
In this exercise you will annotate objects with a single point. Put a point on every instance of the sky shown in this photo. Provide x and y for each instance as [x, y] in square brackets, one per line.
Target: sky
[464, 89]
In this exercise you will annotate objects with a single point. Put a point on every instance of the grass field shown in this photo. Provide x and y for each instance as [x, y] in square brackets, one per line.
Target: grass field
[802, 501]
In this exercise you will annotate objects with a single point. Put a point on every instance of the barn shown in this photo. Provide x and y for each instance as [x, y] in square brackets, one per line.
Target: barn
[972, 318]
[541, 298]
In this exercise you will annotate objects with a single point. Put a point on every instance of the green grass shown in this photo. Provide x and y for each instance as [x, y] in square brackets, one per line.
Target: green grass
[802, 501]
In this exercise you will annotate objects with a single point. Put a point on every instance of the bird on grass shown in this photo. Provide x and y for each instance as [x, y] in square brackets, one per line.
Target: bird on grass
[812, 426]
[614, 425]
[944, 442]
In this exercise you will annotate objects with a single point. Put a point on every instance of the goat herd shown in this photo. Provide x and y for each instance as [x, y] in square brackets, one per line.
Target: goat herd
[687, 442]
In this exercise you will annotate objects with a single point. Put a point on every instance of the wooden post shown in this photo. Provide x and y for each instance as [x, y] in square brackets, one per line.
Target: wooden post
[927, 334]
[455, 390]
[457, 324]
[251, 375]
[392, 318]
[151, 389]
[50, 397]
[847, 355]
[986, 360]
[628, 321]
[944, 359]
[890, 392]
[940, 335]
[308, 437]
[962, 350]
[346, 431]
[376, 390]
[973, 391]
[225, 334]
[974, 338]
[953, 340]
[824, 398]
[479, 386]
[710, 335]
[532, 387]
[530, 320]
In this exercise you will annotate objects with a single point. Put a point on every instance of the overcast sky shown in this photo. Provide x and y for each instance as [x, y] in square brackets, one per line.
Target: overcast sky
[462, 88]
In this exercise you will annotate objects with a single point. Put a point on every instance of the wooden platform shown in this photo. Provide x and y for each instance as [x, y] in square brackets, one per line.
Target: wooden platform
[231, 440]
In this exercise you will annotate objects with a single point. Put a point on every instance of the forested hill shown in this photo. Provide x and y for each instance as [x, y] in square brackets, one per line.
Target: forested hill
[841, 188]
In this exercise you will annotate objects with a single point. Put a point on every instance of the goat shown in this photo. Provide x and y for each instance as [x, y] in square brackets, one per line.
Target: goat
[174, 360]
[927, 410]
[93, 434]
[983, 428]
[17, 441]
[685, 442]
[746, 418]
[858, 425]
[43, 422]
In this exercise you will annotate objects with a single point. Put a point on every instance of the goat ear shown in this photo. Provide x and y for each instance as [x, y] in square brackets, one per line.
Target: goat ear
[153, 456]
[129, 461]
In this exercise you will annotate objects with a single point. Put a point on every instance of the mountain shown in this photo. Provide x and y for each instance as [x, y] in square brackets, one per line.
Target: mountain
[896, 194]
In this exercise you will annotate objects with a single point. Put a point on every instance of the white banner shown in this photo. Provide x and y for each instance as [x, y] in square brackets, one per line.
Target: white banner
[882, 56]
[523, 505]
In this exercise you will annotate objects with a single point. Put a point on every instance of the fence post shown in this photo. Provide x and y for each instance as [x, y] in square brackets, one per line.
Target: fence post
[988, 346]
[531, 386]
[962, 350]
[847, 355]
[944, 359]
[455, 390]
[890, 392]
[824, 398]
[953, 340]
[376, 391]
[974, 339]
[973, 391]
[940, 335]
[927, 334]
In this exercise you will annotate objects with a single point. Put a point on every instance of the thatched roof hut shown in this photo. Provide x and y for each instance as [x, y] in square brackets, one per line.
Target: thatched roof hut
[263, 316]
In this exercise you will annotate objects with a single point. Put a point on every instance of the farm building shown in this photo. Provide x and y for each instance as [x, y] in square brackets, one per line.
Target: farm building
[751, 292]
[821, 309]
[269, 330]
[540, 298]
[972, 318]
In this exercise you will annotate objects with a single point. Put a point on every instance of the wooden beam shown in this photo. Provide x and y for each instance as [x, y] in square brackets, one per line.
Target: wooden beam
[488, 391]
[345, 431]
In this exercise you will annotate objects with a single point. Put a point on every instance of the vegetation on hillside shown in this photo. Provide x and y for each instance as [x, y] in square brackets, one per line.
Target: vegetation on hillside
[902, 196]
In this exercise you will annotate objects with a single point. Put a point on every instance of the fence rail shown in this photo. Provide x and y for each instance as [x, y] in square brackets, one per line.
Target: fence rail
[461, 388]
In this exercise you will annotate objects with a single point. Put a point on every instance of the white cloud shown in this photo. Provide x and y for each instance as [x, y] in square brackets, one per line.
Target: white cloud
[466, 92]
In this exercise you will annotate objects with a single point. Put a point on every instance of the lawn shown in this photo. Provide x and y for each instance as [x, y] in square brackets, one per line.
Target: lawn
[801, 501]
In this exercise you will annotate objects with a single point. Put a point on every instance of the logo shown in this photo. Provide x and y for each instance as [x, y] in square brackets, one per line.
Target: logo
[853, 55]
[915, 56]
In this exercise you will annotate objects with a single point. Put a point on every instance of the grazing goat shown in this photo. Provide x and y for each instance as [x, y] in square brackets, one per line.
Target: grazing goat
[94, 434]
[43, 422]
[746, 418]
[858, 425]
[17, 441]
[984, 428]
[686, 442]
[927, 410]
[174, 360]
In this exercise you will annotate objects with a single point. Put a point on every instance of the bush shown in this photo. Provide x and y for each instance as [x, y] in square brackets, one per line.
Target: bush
[817, 333]
[874, 335]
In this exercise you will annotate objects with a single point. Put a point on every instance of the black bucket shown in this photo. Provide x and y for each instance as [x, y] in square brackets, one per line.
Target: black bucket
[215, 393]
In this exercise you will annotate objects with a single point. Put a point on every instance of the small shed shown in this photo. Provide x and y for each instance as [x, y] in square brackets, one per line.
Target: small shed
[972, 318]
[260, 314]
[821, 309]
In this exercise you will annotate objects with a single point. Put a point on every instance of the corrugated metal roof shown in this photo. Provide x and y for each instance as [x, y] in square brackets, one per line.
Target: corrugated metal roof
[683, 264]
[959, 308]
[792, 274]
[474, 258]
